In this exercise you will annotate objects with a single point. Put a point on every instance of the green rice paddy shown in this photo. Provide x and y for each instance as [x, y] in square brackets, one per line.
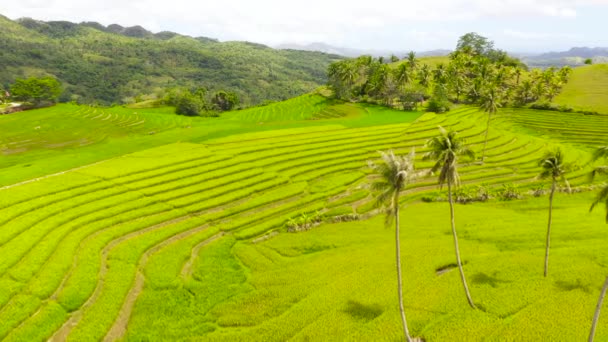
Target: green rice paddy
[179, 234]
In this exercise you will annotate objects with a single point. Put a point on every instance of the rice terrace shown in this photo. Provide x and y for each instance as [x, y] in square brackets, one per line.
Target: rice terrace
[188, 193]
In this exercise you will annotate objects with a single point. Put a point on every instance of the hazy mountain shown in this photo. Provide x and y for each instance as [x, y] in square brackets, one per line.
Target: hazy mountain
[351, 52]
[574, 57]
[584, 52]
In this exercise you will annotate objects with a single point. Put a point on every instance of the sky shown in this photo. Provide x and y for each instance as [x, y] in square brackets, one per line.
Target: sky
[400, 25]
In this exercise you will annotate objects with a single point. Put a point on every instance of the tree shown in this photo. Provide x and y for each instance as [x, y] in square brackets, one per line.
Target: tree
[490, 104]
[588, 61]
[394, 58]
[395, 172]
[555, 168]
[224, 101]
[602, 197]
[439, 102]
[444, 151]
[424, 75]
[412, 61]
[188, 104]
[36, 91]
[475, 43]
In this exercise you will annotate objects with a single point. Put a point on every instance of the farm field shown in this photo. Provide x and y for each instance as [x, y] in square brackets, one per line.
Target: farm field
[587, 89]
[186, 240]
[45, 141]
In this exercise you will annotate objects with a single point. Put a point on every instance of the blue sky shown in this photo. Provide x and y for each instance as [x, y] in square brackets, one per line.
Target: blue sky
[514, 25]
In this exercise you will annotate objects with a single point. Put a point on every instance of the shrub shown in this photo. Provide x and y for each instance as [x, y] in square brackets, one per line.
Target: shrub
[188, 105]
[509, 192]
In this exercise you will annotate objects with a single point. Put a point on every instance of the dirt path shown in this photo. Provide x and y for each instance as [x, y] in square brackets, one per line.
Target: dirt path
[52, 175]
[187, 268]
[119, 328]
[76, 316]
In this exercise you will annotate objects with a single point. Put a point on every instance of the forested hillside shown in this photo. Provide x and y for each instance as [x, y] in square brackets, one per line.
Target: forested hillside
[115, 64]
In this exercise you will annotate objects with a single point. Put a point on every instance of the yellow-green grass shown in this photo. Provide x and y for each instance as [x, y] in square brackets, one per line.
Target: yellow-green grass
[46, 141]
[587, 89]
[74, 247]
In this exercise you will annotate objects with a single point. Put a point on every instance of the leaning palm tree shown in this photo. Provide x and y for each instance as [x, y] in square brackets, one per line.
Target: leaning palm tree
[445, 150]
[395, 173]
[490, 104]
[602, 197]
[555, 168]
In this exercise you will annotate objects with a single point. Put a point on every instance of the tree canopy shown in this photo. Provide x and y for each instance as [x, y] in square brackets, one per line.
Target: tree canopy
[36, 91]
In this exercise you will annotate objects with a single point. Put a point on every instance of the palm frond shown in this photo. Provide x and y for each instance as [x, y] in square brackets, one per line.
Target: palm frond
[600, 170]
[601, 152]
[602, 196]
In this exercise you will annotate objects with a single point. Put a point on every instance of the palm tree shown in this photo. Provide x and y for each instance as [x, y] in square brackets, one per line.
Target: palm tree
[403, 75]
[424, 75]
[412, 61]
[445, 150]
[553, 167]
[602, 197]
[395, 173]
[517, 75]
[490, 104]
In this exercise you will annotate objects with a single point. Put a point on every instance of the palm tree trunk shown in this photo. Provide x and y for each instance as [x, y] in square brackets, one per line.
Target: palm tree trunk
[485, 144]
[549, 227]
[597, 310]
[464, 281]
[399, 284]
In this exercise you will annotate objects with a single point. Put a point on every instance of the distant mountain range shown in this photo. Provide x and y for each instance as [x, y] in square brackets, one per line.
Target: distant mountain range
[352, 52]
[583, 52]
[574, 57]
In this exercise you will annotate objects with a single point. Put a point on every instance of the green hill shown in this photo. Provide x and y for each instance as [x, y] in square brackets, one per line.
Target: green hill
[587, 89]
[179, 235]
[114, 64]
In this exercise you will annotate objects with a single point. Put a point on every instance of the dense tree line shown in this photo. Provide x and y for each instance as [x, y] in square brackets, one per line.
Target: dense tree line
[476, 71]
[106, 65]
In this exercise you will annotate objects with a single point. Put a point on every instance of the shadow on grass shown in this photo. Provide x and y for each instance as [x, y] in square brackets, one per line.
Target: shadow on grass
[572, 285]
[482, 278]
[362, 311]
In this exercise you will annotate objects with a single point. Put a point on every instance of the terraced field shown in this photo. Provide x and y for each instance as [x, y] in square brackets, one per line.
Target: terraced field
[90, 254]
[573, 128]
[187, 240]
[79, 126]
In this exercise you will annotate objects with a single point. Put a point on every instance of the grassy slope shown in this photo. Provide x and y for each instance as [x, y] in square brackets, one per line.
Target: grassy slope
[153, 210]
[587, 89]
[49, 140]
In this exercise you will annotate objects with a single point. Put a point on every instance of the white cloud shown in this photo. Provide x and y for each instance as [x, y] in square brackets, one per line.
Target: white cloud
[276, 21]
[539, 35]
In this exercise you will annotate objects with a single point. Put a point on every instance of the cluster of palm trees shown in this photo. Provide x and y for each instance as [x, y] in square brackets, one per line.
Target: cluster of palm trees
[395, 172]
[473, 75]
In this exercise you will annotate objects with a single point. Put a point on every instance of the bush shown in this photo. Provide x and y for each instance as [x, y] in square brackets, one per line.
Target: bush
[188, 105]
[439, 102]
[224, 101]
[509, 192]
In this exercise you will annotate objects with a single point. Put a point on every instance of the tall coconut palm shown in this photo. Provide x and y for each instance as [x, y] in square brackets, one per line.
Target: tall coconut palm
[555, 168]
[395, 172]
[490, 104]
[424, 75]
[445, 150]
[412, 61]
[602, 197]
